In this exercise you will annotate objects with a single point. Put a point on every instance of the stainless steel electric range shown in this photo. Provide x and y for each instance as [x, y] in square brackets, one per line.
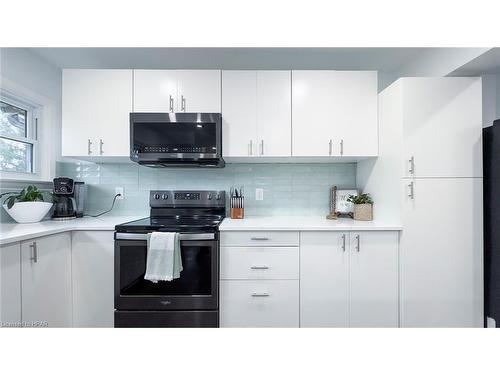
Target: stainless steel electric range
[193, 299]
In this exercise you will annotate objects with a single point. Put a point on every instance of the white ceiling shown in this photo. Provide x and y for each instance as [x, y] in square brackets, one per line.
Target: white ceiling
[487, 63]
[382, 59]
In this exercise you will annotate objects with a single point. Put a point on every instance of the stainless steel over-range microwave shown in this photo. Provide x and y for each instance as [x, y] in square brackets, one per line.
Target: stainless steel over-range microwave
[176, 139]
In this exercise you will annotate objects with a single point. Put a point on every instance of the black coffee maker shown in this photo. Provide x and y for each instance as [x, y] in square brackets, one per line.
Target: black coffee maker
[69, 198]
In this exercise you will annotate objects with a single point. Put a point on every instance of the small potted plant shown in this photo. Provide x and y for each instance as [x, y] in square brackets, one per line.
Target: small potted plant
[363, 206]
[27, 206]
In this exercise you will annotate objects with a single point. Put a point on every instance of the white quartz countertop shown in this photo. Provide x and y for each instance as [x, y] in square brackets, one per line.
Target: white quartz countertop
[12, 232]
[304, 223]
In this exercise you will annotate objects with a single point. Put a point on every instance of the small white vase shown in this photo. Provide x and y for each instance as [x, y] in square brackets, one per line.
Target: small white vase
[28, 212]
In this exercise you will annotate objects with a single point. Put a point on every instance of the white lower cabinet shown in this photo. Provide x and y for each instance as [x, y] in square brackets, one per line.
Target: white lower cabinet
[10, 285]
[324, 279]
[374, 279]
[46, 281]
[259, 303]
[93, 278]
[349, 279]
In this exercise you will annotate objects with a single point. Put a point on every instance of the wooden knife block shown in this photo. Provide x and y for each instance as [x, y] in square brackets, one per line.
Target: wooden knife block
[237, 213]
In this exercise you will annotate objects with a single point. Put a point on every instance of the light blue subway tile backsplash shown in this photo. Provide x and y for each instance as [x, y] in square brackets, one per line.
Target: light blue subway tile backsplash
[289, 189]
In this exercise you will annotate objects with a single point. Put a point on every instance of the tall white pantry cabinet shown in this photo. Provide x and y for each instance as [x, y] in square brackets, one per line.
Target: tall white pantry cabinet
[429, 175]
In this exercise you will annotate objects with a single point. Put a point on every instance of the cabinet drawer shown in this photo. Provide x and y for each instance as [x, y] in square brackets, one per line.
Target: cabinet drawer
[260, 238]
[259, 303]
[260, 263]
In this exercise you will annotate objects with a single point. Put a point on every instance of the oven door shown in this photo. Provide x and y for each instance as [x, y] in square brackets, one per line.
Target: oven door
[196, 289]
[176, 139]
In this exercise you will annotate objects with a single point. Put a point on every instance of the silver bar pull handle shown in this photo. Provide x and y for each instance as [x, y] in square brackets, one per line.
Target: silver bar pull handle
[343, 242]
[250, 148]
[34, 252]
[260, 294]
[330, 147]
[411, 167]
[260, 239]
[411, 190]
[358, 246]
[341, 147]
[100, 146]
[171, 103]
[183, 103]
[262, 147]
[89, 144]
[259, 267]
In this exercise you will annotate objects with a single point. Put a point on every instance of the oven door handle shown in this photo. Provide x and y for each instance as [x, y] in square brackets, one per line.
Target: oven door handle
[182, 236]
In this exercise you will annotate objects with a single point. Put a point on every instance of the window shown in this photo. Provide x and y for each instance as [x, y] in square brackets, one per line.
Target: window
[17, 136]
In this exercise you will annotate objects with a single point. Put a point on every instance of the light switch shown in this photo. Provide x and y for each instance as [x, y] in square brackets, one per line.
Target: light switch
[259, 194]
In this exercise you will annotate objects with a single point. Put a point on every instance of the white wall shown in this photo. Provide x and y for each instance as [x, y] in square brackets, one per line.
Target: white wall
[27, 69]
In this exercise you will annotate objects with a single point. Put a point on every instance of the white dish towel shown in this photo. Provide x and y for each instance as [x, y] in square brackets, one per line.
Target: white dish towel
[164, 262]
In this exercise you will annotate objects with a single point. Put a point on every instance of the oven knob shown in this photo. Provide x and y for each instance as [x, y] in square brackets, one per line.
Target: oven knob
[164, 196]
[209, 196]
[217, 197]
[156, 196]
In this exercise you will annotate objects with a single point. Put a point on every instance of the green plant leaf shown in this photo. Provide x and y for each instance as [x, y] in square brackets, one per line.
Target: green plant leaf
[10, 202]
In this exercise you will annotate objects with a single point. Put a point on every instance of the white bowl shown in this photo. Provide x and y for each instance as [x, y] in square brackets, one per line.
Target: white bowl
[28, 212]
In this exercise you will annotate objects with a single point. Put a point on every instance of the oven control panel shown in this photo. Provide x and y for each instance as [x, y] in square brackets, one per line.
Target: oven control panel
[188, 198]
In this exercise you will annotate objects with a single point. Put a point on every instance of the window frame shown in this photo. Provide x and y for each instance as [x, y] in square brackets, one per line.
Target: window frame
[32, 124]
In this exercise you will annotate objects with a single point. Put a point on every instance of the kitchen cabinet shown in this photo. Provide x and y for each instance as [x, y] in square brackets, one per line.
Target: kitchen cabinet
[334, 113]
[374, 279]
[177, 91]
[95, 112]
[441, 259]
[259, 274]
[256, 113]
[46, 280]
[443, 115]
[10, 285]
[259, 303]
[93, 278]
[440, 203]
[349, 279]
[324, 279]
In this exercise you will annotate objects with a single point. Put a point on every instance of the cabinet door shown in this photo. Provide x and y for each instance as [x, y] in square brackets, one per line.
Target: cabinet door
[374, 279]
[155, 90]
[239, 116]
[199, 91]
[93, 278]
[10, 285]
[441, 253]
[274, 113]
[312, 103]
[96, 105]
[442, 127]
[353, 113]
[46, 280]
[324, 278]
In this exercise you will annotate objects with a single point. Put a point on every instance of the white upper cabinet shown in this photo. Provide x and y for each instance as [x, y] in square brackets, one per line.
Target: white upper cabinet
[274, 113]
[95, 112]
[199, 91]
[177, 91]
[334, 113]
[442, 127]
[155, 91]
[46, 280]
[256, 113]
[239, 115]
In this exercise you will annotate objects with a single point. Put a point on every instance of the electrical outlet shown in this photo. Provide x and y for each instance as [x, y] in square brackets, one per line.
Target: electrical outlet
[259, 194]
[119, 190]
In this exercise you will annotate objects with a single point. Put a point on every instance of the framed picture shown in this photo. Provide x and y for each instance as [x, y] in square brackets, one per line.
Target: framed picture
[342, 205]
